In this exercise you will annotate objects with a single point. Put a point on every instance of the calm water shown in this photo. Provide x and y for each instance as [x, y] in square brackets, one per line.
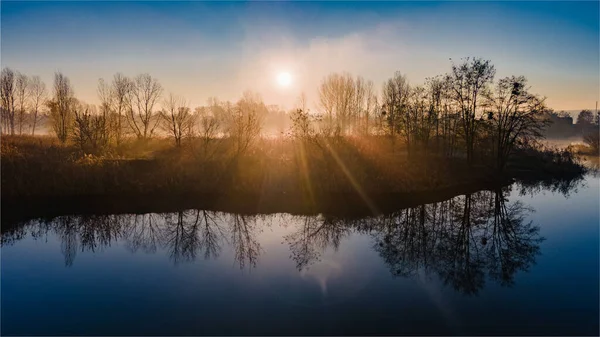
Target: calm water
[516, 261]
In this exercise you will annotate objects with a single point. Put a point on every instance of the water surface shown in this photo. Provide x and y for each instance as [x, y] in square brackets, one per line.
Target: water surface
[519, 260]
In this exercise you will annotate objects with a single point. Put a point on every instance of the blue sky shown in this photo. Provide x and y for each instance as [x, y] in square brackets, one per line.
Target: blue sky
[203, 49]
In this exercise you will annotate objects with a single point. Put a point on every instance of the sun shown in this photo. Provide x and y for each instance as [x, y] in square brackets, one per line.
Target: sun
[284, 79]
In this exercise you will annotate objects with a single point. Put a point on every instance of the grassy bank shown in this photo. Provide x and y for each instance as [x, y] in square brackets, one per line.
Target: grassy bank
[308, 171]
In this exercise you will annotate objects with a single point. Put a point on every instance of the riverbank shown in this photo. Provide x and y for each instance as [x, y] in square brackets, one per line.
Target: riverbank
[343, 176]
[337, 204]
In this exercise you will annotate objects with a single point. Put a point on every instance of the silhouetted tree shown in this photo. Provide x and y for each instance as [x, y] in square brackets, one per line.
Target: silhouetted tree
[106, 98]
[89, 129]
[396, 92]
[61, 107]
[585, 118]
[21, 99]
[8, 93]
[468, 84]
[176, 118]
[244, 121]
[516, 116]
[38, 95]
[143, 95]
[209, 125]
[120, 89]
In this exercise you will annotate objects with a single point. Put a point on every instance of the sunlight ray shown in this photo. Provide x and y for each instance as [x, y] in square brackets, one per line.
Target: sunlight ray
[351, 178]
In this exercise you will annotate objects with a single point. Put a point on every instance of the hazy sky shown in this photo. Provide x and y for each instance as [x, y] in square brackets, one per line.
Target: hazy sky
[203, 49]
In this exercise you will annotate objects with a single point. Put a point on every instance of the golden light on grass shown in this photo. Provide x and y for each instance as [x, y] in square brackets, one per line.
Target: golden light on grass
[284, 79]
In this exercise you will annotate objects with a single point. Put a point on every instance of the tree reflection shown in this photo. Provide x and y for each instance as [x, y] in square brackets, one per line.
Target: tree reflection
[185, 234]
[563, 186]
[514, 242]
[463, 240]
[212, 234]
[181, 236]
[246, 247]
[313, 236]
[142, 232]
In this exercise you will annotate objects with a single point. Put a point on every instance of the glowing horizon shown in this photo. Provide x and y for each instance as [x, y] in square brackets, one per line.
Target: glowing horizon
[202, 50]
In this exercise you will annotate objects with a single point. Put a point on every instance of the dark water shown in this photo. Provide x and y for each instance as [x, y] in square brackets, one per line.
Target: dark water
[522, 260]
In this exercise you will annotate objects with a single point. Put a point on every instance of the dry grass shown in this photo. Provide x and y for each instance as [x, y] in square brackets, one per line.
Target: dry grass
[41, 166]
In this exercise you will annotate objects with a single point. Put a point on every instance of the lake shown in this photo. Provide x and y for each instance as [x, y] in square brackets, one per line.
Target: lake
[521, 260]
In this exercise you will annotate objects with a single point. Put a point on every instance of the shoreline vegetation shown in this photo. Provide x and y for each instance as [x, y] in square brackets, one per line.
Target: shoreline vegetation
[361, 183]
[362, 151]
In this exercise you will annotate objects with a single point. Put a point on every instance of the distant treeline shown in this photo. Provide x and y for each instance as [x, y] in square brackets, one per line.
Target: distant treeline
[562, 125]
[458, 114]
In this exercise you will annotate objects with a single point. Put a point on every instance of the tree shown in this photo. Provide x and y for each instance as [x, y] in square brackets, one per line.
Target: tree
[144, 94]
[436, 93]
[371, 108]
[89, 127]
[61, 107]
[8, 92]
[585, 122]
[22, 96]
[396, 92]
[244, 121]
[419, 118]
[209, 123]
[337, 94]
[585, 118]
[106, 97]
[121, 87]
[38, 95]
[363, 107]
[516, 116]
[176, 118]
[468, 82]
[300, 117]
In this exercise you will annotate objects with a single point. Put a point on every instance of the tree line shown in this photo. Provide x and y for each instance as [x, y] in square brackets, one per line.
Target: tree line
[466, 112]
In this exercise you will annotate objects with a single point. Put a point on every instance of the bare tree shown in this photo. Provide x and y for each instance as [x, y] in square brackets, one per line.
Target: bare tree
[89, 127]
[244, 121]
[209, 123]
[106, 96]
[302, 121]
[38, 95]
[435, 96]
[396, 92]
[336, 97]
[468, 82]
[8, 100]
[121, 87]
[176, 118]
[144, 94]
[515, 114]
[61, 107]
[371, 107]
[22, 96]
